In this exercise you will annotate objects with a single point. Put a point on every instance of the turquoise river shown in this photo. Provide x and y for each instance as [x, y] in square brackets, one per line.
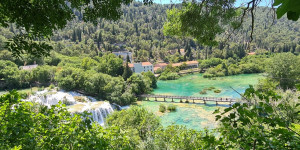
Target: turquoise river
[198, 116]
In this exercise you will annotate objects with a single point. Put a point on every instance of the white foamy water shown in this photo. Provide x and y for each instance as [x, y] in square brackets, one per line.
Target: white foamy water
[99, 110]
[75, 103]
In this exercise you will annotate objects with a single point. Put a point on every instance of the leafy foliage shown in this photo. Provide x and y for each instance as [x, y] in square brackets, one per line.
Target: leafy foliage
[31, 126]
[43, 25]
[290, 7]
[136, 119]
[259, 123]
[285, 69]
[208, 18]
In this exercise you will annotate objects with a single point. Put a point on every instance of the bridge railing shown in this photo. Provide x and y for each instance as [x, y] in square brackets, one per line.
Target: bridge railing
[217, 99]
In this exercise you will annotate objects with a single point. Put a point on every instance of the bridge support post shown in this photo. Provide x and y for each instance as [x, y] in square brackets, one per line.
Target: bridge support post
[155, 99]
[180, 100]
[164, 99]
[147, 98]
[186, 101]
[172, 100]
[193, 101]
[216, 102]
[204, 101]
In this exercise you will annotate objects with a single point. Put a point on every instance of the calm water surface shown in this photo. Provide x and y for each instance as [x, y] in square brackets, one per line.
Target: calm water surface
[198, 116]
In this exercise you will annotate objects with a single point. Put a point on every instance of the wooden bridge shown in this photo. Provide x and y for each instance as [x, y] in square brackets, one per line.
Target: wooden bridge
[189, 99]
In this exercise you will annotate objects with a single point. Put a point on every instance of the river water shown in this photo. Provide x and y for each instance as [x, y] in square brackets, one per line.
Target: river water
[198, 116]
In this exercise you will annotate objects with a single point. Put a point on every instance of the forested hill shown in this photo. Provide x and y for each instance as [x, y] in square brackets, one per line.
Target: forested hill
[140, 30]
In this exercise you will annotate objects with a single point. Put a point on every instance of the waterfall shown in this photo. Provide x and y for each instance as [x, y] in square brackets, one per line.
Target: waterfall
[50, 98]
[99, 113]
[99, 109]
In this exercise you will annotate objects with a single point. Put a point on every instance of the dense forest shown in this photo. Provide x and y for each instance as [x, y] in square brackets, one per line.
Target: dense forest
[140, 30]
[266, 117]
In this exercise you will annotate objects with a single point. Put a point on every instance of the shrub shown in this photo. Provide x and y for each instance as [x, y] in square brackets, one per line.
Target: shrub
[162, 108]
[207, 75]
[136, 119]
[210, 88]
[24, 95]
[66, 101]
[52, 86]
[172, 107]
[169, 76]
[217, 91]
[80, 99]
[41, 88]
[203, 91]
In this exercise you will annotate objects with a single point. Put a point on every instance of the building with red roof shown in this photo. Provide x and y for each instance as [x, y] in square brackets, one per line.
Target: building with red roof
[141, 67]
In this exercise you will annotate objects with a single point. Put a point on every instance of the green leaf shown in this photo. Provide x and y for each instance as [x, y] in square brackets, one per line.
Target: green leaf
[293, 15]
[281, 10]
[277, 2]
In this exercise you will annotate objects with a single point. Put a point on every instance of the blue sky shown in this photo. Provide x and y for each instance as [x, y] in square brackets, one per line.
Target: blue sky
[238, 2]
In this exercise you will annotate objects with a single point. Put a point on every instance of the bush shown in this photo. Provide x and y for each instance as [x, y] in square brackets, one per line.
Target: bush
[162, 108]
[41, 88]
[30, 126]
[217, 91]
[203, 92]
[208, 75]
[52, 86]
[24, 95]
[80, 99]
[136, 119]
[66, 102]
[169, 76]
[210, 88]
[172, 107]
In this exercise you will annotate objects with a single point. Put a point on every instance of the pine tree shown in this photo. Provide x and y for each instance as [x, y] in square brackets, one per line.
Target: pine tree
[191, 57]
[79, 34]
[128, 59]
[11, 29]
[99, 40]
[127, 72]
[74, 36]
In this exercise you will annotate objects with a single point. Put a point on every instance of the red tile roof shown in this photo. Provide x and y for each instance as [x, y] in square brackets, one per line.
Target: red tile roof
[161, 65]
[252, 53]
[146, 64]
[191, 62]
[156, 68]
[176, 64]
[130, 65]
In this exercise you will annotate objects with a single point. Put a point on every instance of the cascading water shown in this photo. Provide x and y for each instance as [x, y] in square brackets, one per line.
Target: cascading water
[49, 98]
[99, 109]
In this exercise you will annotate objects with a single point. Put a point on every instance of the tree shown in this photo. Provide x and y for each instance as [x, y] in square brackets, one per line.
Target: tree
[135, 119]
[27, 125]
[128, 59]
[110, 64]
[127, 72]
[285, 69]
[74, 38]
[262, 121]
[213, 17]
[289, 7]
[152, 78]
[48, 20]
[208, 18]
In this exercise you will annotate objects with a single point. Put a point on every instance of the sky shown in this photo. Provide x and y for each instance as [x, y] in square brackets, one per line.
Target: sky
[238, 2]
